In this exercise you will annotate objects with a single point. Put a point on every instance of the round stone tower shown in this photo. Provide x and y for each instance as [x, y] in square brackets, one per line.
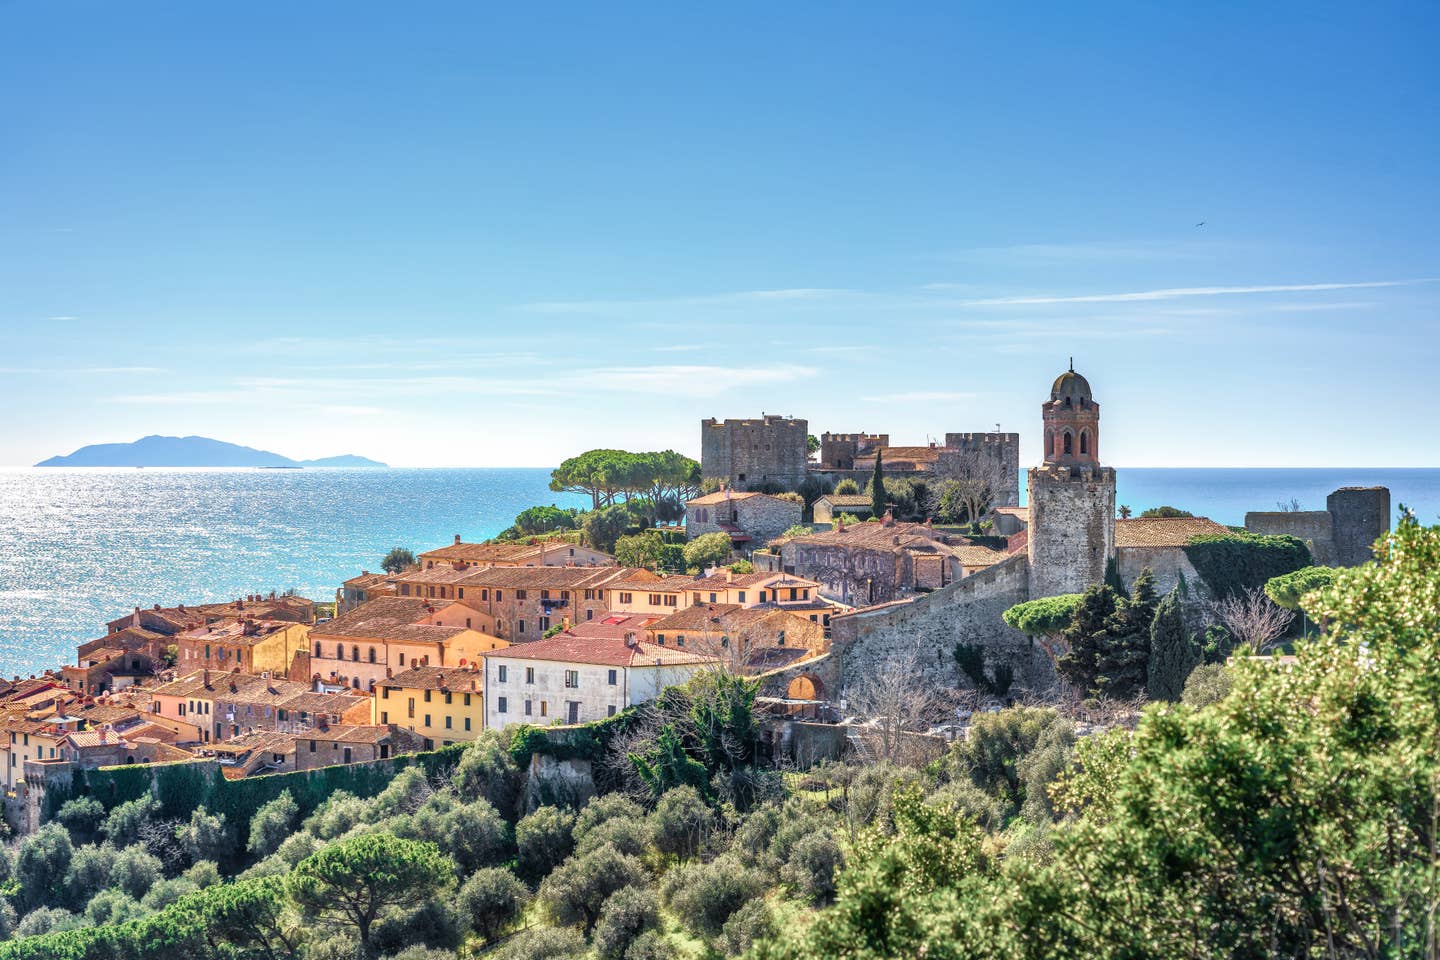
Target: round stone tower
[1072, 497]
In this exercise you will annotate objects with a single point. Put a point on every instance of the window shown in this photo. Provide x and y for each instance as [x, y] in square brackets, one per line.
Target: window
[712, 598]
[317, 648]
[1084, 442]
[564, 594]
[527, 708]
[612, 677]
[449, 697]
[467, 723]
[544, 594]
[742, 596]
[572, 679]
[384, 716]
[522, 626]
[411, 713]
[503, 673]
[589, 594]
[520, 594]
[499, 595]
[544, 708]
[544, 624]
[529, 674]
[312, 746]
[467, 699]
[384, 695]
[660, 639]
[680, 640]
[1067, 436]
[500, 705]
[762, 596]
[624, 597]
[781, 638]
[372, 654]
[696, 598]
[589, 614]
[339, 651]
[467, 623]
[485, 594]
[671, 600]
[460, 593]
[427, 719]
[610, 711]
[427, 696]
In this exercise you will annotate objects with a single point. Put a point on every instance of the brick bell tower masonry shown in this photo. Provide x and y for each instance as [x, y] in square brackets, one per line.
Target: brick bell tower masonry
[1072, 497]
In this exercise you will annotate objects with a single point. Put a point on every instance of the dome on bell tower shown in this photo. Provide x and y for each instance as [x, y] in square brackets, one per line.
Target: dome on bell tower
[1072, 421]
[1071, 384]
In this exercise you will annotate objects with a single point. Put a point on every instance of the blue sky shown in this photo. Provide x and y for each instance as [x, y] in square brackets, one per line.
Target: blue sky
[459, 234]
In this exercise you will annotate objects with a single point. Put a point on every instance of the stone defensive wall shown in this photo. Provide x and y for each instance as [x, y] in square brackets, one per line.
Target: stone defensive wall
[967, 610]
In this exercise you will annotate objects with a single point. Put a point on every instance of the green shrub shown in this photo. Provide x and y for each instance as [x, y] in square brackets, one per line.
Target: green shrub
[627, 914]
[490, 901]
[680, 822]
[574, 893]
[545, 943]
[1288, 589]
[1232, 563]
[810, 871]
[1208, 683]
[708, 550]
[544, 839]
[705, 895]
[271, 824]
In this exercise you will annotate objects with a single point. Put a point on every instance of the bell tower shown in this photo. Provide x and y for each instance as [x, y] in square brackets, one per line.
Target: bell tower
[1072, 497]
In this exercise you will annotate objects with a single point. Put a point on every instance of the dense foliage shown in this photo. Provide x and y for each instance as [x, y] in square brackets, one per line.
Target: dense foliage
[1232, 563]
[1277, 811]
[1295, 817]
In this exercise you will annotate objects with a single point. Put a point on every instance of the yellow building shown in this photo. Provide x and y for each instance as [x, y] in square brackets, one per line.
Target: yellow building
[441, 704]
[247, 645]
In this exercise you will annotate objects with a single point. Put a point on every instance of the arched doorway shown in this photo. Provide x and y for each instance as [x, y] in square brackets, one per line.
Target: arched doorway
[805, 687]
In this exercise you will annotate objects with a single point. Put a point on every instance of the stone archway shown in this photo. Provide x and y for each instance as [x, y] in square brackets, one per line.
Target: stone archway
[805, 687]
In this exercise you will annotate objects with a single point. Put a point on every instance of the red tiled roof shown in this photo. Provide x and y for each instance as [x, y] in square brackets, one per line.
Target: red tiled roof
[598, 650]
[389, 618]
[434, 678]
[1163, 531]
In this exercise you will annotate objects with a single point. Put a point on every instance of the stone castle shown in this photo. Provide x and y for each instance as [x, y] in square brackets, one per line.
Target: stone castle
[772, 452]
[1069, 530]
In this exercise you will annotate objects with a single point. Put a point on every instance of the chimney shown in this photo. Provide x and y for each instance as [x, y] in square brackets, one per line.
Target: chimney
[895, 539]
[729, 575]
[457, 539]
[205, 679]
[839, 525]
[157, 606]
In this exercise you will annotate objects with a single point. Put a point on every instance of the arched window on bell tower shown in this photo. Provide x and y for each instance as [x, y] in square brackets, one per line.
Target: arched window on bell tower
[1084, 442]
[1069, 444]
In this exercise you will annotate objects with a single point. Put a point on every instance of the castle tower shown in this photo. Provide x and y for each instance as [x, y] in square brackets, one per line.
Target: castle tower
[1072, 497]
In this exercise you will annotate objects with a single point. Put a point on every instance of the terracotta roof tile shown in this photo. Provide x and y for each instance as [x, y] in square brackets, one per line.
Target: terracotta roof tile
[595, 650]
[457, 679]
[1163, 531]
[389, 618]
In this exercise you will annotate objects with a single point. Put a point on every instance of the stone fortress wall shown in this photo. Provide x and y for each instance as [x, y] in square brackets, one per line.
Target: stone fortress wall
[746, 453]
[1340, 535]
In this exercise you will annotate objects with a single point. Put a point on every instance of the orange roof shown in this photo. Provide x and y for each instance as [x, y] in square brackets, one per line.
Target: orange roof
[1163, 531]
[434, 678]
[389, 618]
[563, 648]
[724, 496]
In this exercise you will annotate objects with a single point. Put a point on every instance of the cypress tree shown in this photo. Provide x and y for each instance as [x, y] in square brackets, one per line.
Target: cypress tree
[1172, 654]
[1112, 578]
[877, 488]
[1088, 637]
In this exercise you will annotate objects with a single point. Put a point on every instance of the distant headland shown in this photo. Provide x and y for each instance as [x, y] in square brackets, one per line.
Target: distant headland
[157, 451]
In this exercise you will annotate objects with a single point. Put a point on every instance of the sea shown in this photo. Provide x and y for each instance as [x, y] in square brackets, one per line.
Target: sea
[80, 547]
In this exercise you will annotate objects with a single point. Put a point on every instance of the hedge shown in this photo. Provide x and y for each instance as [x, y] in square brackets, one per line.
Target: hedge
[183, 786]
[1231, 563]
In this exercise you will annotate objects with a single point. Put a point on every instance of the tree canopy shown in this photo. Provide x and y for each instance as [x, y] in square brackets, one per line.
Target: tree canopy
[610, 476]
[397, 560]
[1288, 589]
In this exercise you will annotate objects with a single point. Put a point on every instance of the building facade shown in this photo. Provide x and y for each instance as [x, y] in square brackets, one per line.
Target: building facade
[746, 454]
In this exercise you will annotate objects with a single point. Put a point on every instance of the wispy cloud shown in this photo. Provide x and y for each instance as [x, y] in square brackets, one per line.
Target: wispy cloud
[667, 380]
[787, 295]
[82, 371]
[919, 396]
[1176, 293]
[62, 319]
[679, 348]
[1086, 252]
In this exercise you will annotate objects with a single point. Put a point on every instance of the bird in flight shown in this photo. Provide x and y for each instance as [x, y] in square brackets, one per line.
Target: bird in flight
[1200, 224]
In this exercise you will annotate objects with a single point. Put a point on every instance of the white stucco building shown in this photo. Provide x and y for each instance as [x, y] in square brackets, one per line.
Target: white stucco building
[578, 679]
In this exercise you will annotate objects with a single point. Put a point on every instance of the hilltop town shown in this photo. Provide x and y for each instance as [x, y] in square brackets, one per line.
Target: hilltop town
[774, 558]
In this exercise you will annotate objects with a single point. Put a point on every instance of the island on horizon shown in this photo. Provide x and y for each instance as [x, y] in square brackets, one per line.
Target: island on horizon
[158, 451]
